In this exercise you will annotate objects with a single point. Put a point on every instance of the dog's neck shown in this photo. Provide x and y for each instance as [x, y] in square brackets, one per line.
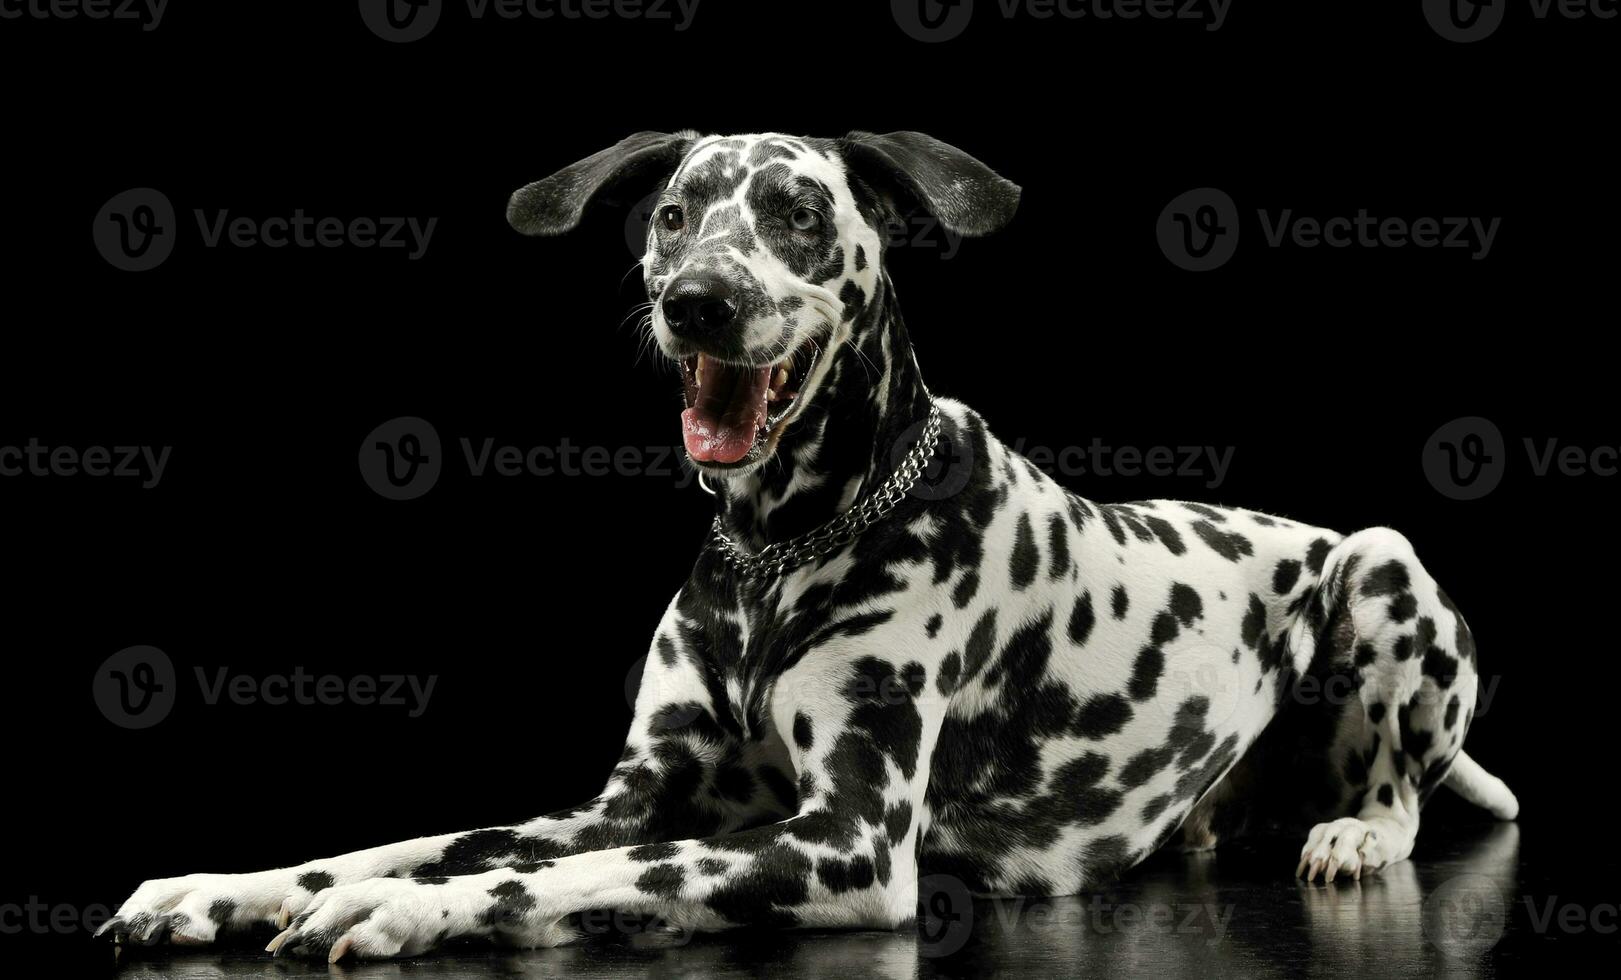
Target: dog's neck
[844, 443]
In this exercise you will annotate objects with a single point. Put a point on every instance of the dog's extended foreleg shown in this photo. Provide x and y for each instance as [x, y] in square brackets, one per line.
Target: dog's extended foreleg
[846, 859]
[681, 775]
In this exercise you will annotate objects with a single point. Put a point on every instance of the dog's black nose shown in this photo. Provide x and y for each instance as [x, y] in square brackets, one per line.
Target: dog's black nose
[698, 305]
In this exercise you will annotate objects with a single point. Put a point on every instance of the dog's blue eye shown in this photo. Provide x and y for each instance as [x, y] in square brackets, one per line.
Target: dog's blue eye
[804, 219]
[673, 218]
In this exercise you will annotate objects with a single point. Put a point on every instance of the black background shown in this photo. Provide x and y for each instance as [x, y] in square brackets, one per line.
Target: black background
[532, 598]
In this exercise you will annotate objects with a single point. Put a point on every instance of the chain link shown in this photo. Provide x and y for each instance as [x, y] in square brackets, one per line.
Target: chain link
[774, 559]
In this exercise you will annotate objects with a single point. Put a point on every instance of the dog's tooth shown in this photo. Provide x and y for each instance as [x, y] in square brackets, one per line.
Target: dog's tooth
[782, 376]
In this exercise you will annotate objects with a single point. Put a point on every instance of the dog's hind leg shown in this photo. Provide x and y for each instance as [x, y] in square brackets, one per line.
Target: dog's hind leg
[1410, 664]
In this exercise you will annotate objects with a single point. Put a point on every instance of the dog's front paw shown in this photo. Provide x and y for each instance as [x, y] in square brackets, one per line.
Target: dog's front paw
[387, 917]
[193, 909]
[372, 919]
[1347, 846]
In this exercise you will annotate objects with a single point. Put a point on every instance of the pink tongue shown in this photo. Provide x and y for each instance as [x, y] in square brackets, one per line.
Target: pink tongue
[727, 412]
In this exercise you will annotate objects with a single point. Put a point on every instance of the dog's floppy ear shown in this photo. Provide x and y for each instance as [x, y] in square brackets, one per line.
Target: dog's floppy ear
[556, 204]
[968, 197]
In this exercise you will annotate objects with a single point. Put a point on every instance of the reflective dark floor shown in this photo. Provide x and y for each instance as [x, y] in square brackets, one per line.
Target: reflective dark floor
[1465, 907]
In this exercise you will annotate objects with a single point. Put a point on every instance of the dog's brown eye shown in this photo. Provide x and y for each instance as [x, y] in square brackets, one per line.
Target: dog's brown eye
[804, 219]
[673, 218]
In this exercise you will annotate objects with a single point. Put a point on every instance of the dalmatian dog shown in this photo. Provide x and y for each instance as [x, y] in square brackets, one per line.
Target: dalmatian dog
[903, 650]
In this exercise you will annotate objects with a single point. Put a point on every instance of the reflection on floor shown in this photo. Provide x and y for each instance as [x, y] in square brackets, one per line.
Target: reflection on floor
[1460, 909]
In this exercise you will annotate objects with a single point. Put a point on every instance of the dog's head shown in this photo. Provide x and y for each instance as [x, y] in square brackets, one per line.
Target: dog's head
[762, 252]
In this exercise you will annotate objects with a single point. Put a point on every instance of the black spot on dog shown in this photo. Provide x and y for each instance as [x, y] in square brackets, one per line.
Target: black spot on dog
[475, 851]
[966, 588]
[897, 821]
[1145, 673]
[220, 911]
[931, 629]
[1387, 794]
[1156, 806]
[664, 880]
[1229, 545]
[314, 881]
[1101, 715]
[1317, 554]
[1058, 544]
[711, 866]
[1451, 718]
[1166, 534]
[1413, 741]
[1285, 576]
[980, 642]
[802, 731]
[1185, 604]
[1119, 602]
[1026, 560]
[1442, 666]
[512, 900]
[845, 876]
[649, 853]
[1081, 619]
[950, 670]
[1386, 580]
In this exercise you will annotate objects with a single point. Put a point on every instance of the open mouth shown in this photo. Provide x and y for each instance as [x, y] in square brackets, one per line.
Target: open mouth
[734, 411]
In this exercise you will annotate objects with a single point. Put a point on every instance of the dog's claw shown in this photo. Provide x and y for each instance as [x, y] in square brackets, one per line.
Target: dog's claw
[157, 933]
[283, 943]
[339, 948]
[284, 917]
[111, 925]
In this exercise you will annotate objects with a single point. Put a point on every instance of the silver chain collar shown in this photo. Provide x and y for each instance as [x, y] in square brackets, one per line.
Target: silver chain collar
[774, 559]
